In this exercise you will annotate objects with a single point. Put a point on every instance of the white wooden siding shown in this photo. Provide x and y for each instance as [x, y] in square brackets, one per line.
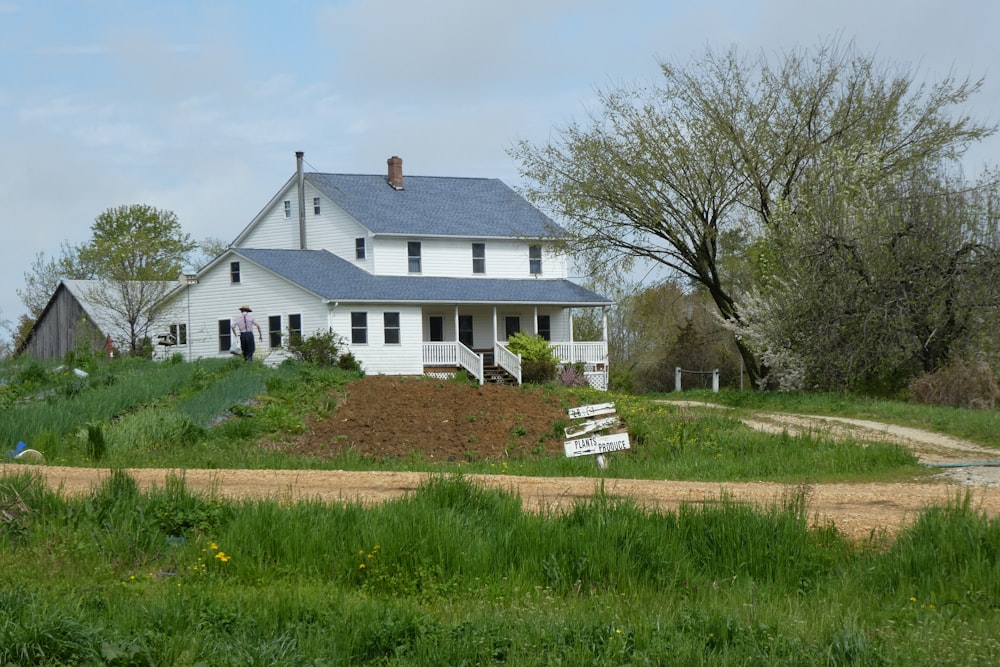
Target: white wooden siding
[453, 258]
[333, 229]
[377, 357]
[215, 298]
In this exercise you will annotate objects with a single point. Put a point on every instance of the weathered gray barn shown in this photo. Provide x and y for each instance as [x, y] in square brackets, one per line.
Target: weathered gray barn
[72, 320]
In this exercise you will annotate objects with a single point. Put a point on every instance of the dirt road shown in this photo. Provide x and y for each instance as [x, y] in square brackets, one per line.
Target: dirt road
[856, 509]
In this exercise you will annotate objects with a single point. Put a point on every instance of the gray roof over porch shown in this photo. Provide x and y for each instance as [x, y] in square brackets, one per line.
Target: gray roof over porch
[335, 279]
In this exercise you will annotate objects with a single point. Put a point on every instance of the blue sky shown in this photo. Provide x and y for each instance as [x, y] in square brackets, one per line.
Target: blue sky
[199, 107]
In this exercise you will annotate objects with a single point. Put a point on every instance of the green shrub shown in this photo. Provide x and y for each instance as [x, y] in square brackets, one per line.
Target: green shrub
[322, 349]
[538, 362]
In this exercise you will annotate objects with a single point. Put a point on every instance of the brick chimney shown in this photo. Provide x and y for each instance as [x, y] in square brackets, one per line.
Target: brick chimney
[395, 178]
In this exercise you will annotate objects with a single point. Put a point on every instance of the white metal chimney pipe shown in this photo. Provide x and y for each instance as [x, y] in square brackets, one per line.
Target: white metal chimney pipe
[302, 199]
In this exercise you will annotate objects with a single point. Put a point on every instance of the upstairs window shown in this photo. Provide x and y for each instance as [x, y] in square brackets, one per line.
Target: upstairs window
[359, 247]
[359, 328]
[288, 208]
[413, 256]
[535, 259]
[274, 331]
[479, 258]
[391, 323]
[315, 205]
[234, 272]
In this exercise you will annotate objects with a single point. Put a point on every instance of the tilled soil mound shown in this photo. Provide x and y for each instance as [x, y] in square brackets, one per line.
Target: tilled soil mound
[384, 416]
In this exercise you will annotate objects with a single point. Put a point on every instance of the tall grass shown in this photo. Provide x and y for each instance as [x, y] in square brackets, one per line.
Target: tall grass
[456, 573]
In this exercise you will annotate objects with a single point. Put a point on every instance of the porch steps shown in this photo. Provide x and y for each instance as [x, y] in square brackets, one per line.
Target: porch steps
[497, 375]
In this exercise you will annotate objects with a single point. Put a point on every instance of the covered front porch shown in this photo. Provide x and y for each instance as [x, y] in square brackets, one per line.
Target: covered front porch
[475, 339]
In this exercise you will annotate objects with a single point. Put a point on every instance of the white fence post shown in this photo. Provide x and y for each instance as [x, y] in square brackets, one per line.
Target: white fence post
[715, 381]
[677, 379]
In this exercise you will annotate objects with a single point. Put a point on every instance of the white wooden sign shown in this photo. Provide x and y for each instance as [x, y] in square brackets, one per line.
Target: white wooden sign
[597, 444]
[590, 426]
[591, 410]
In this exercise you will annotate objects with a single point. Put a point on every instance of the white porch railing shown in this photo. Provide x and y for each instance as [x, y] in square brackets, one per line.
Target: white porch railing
[589, 352]
[507, 360]
[593, 354]
[440, 354]
[470, 361]
[454, 354]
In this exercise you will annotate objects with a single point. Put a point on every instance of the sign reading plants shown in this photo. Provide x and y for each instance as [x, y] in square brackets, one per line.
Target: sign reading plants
[597, 441]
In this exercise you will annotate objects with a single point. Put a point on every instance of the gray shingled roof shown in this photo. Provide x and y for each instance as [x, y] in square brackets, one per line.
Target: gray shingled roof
[335, 279]
[436, 205]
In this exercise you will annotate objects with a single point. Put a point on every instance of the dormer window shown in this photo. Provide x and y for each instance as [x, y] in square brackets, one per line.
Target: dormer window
[234, 272]
[359, 247]
[288, 208]
[315, 205]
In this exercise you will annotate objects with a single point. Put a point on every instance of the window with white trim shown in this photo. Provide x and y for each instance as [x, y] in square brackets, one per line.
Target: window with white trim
[225, 335]
[179, 333]
[315, 205]
[234, 272]
[274, 330]
[413, 256]
[479, 258]
[390, 322]
[288, 208]
[545, 327]
[535, 259]
[359, 328]
[359, 247]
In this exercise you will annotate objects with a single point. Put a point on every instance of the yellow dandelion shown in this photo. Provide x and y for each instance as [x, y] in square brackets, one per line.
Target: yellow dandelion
[361, 567]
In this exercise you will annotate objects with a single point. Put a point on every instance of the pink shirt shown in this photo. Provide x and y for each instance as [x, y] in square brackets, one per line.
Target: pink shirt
[245, 322]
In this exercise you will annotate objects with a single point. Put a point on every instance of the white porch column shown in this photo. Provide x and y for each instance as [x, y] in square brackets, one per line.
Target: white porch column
[604, 333]
[535, 315]
[456, 324]
[572, 347]
[495, 338]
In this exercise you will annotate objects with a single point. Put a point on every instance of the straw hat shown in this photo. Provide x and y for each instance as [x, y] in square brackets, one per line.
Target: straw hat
[246, 308]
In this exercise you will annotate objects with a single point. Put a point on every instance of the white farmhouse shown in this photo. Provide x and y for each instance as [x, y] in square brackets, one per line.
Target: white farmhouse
[425, 275]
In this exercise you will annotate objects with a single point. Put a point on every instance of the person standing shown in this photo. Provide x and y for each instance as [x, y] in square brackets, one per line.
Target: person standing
[244, 324]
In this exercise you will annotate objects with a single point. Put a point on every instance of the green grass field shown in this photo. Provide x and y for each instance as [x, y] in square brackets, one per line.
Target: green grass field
[457, 574]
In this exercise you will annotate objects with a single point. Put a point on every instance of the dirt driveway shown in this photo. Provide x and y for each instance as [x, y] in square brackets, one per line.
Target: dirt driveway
[858, 510]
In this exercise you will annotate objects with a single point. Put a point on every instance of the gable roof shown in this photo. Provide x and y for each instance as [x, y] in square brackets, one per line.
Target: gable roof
[335, 279]
[436, 206]
[82, 290]
[101, 316]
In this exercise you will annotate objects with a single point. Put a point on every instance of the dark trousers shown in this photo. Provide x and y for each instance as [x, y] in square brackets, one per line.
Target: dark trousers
[247, 344]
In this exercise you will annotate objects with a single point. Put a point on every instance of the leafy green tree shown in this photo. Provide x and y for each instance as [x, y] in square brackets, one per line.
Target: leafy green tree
[137, 252]
[670, 173]
[874, 281]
